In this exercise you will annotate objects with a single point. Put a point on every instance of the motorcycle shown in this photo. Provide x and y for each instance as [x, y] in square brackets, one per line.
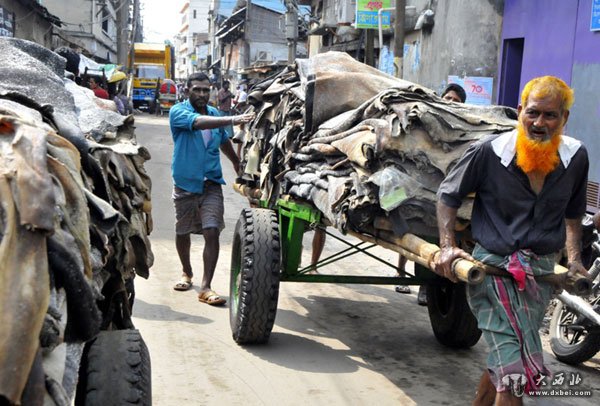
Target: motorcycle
[575, 323]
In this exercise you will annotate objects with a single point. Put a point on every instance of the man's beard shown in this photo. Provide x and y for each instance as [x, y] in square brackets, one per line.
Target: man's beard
[535, 155]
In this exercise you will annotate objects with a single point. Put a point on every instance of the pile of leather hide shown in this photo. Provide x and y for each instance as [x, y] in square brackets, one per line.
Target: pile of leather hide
[359, 144]
[74, 220]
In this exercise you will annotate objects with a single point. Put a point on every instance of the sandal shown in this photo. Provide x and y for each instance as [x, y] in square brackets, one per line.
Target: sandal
[210, 297]
[185, 283]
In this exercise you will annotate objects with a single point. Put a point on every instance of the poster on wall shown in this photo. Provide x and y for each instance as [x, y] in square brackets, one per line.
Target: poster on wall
[595, 23]
[7, 23]
[478, 88]
[366, 13]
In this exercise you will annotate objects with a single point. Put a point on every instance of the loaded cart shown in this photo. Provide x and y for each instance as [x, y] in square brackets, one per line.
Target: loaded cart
[76, 214]
[366, 160]
[266, 251]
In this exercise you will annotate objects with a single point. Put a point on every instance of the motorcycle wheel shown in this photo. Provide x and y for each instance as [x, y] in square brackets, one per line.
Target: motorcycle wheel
[572, 342]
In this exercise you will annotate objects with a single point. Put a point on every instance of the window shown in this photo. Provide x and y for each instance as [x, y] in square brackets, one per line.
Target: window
[150, 71]
[194, 14]
[105, 18]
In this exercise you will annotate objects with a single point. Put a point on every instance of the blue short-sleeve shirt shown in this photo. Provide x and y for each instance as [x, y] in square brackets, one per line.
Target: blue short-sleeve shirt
[196, 155]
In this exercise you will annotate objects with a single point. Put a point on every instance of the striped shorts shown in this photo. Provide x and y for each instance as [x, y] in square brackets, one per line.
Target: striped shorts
[195, 212]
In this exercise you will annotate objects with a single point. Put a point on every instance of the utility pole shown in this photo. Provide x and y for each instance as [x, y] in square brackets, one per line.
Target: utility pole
[122, 39]
[247, 35]
[291, 28]
[370, 47]
[130, 60]
[399, 38]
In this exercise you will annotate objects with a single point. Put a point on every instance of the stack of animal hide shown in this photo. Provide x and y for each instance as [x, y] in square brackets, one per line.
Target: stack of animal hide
[74, 220]
[358, 144]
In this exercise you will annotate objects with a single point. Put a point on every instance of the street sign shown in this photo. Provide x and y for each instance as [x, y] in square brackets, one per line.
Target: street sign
[366, 13]
[595, 18]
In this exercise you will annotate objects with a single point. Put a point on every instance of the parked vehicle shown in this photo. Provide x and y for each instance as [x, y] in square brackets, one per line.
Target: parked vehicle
[152, 63]
[167, 96]
[575, 324]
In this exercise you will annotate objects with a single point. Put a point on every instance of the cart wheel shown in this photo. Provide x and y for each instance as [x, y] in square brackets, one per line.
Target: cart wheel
[115, 370]
[254, 283]
[451, 318]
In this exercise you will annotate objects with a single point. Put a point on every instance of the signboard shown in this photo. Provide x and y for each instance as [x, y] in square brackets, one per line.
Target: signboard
[366, 13]
[478, 89]
[7, 23]
[595, 23]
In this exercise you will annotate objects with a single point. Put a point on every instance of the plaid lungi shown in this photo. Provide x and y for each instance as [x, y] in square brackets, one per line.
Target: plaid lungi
[510, 318]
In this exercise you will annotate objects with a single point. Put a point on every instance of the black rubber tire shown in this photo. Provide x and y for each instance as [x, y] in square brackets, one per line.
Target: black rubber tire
[254, 282]
[451, 318]
[115, 370]
[571, 354]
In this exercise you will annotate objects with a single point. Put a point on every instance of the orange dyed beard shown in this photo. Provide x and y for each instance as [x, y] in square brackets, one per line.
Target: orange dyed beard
[537, 156]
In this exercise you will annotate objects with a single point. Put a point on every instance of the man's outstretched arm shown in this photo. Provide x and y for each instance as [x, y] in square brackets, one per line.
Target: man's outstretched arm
[209, 122]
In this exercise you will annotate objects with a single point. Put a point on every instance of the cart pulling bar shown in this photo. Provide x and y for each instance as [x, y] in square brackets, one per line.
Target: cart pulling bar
[247, 191]
[577, 284]
[423, 253]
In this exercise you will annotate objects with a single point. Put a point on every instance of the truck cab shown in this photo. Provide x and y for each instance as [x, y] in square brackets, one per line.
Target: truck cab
[152, 64]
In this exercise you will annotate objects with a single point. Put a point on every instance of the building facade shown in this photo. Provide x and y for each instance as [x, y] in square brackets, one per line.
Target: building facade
[439, 43]
[192, 41]
[254, 36]
[90, 25]
[27, 19]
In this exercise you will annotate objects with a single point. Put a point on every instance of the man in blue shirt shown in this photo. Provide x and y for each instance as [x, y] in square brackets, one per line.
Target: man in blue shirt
[198, 135]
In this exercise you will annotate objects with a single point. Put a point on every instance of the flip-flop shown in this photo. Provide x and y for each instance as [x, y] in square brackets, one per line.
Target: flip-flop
[405, 289]
[210, 297]
[185, 283]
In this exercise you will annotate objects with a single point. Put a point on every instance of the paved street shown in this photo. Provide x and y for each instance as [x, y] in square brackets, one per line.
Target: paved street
[331, 344]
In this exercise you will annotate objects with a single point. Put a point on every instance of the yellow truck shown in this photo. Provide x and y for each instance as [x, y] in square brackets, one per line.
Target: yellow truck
[152, 63]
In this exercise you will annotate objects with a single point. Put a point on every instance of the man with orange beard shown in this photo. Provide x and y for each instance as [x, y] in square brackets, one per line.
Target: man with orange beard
[530, 195]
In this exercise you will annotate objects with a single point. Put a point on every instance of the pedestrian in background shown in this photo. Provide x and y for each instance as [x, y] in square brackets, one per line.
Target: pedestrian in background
[225, 98]
[213, 99]
[98, 91]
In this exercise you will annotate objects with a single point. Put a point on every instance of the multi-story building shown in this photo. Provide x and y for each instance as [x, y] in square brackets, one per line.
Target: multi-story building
[439, 40]
[254, 34]
[91, 25]
[192, 41]
[219, 11]
[27, 19]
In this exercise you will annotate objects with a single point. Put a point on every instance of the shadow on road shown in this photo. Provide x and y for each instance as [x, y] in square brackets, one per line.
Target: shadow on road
[395, 341]
[150, 311]
[303, 354]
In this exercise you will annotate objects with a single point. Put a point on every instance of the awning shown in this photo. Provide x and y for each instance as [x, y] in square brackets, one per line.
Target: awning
[321, 29]
[223, 35]
[215, 64]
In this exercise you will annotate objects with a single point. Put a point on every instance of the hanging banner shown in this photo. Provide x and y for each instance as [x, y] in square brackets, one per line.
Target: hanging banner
[366, 13]
[7, 23]
[478, 89]
[595, 23]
